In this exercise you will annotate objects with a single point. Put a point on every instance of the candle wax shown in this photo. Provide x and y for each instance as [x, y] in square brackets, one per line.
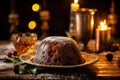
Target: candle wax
[74, 6]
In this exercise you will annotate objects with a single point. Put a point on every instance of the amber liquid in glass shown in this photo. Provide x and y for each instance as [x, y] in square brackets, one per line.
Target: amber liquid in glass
[24, 42]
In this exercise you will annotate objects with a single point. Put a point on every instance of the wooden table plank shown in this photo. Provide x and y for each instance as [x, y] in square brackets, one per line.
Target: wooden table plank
[107, 68]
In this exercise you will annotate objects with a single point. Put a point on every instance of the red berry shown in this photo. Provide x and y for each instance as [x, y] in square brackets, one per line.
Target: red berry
[9, 54]
[14, 53]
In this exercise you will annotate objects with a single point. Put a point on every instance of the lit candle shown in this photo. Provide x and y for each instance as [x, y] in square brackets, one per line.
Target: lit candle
[103, 33]
[75, 6]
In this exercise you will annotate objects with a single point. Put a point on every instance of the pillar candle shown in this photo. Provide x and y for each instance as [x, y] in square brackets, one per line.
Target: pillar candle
[75, 6]
[103, 33]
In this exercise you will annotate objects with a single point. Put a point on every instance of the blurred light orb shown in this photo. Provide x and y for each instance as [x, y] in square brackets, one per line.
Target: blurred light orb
[36, 7]
[32, 25]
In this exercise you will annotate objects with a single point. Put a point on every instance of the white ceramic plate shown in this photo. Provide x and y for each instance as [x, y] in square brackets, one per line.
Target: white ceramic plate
[89, 59]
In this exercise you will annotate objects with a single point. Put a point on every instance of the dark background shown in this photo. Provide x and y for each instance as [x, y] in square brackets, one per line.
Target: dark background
[59, 12]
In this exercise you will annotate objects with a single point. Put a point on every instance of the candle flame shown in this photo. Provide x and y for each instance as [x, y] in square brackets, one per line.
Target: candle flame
[75, 1]
[103, 25]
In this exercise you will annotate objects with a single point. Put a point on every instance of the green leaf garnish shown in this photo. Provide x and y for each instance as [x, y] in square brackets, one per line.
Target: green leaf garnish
[31, 69]
[68, 34]
[22, 67]
[15, 59]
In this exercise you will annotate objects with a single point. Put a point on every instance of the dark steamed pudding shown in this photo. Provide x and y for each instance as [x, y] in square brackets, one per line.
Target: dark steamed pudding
[58, 50]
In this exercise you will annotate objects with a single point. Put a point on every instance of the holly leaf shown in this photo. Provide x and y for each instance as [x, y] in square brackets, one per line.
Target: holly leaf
[22, 68]
[32, 69]
[19, 68]
[15, 59]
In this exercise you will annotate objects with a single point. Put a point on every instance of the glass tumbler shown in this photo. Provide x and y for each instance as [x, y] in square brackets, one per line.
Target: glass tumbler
[24, 42]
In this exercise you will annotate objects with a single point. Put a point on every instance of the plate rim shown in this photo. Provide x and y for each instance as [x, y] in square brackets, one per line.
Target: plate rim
[93, 60]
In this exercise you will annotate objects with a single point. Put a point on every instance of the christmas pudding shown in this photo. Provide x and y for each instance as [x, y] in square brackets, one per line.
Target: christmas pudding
[58, 50]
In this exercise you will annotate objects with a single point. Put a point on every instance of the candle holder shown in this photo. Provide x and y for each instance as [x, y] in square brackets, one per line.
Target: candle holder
[13, 18]
[14, 21]
[45, 16]
[112, 20]
[82, 25]
[72, 28]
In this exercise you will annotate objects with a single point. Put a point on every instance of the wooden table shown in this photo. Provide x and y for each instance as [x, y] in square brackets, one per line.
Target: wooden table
[101, 70]
[108, 70]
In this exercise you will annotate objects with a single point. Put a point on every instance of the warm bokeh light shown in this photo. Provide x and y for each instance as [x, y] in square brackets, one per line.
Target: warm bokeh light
[32, 25]
[103, 25]
[93, 12]
[36, 7]
[75, 1]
